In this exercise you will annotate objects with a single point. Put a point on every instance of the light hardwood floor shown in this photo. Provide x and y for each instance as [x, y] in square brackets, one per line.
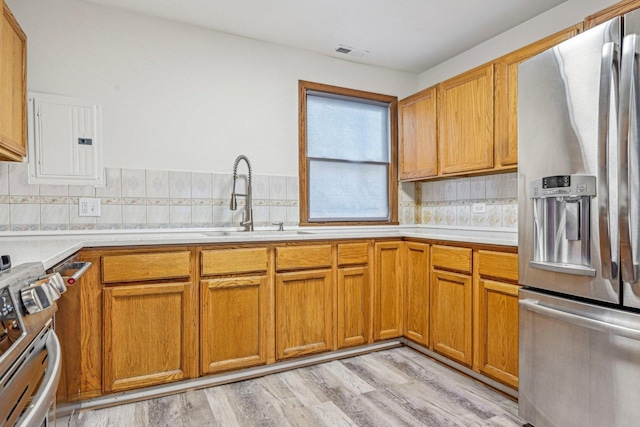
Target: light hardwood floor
[397, 387]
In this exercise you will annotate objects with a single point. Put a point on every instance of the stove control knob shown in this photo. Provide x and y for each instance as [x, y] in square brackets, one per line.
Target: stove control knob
[37, 297]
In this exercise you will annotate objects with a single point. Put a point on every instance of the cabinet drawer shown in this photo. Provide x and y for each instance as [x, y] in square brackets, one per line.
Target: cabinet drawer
[301, 257]
[145, 266]
[353, 254]
[231, 261]
[450, 258]
[498, 264]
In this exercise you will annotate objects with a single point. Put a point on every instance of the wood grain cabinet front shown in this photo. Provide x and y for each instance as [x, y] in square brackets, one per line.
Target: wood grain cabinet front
[234, 311]
[149, 335]
[465, 122]
[496, 316]
[233, 319]
[417, 282]
[353, 295]
[417, 119]
[13, 88]
[387, 300]
[304, 316]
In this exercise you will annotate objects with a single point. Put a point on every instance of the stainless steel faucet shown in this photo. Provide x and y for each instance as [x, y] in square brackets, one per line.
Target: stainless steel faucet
[247, 215]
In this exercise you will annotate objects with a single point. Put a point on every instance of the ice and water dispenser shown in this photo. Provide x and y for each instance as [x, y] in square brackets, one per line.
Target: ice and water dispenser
[561, 221]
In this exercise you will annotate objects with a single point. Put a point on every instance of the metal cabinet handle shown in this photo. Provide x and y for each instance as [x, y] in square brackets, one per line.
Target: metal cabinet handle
[608, 78]
[577, 320]
[629, 87]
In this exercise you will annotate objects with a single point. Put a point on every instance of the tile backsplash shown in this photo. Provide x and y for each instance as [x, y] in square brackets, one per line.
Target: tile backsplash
[141, 199]
[450, 202]
[154, 199]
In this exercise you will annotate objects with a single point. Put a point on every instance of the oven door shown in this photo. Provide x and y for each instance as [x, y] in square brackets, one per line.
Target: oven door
[28, 389]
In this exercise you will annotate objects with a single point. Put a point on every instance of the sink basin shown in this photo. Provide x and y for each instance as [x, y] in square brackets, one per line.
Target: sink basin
[239, 233]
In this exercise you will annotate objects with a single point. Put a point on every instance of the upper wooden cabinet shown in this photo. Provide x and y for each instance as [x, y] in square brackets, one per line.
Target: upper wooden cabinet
[611, 12]
[506, 95]
[465, 122]
[13, 88]
[417, 118]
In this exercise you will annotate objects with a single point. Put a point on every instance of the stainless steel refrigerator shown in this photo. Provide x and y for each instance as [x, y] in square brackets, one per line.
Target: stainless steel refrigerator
[579, 245]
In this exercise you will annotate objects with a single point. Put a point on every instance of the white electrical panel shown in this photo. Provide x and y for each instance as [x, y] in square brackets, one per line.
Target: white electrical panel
[65, 141]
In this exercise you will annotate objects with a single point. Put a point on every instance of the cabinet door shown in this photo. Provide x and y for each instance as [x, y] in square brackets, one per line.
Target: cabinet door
[353, 306]
[418, 138]
[416, 296]
[148, 335]
[497, 323]
[465, 122]
[13, 88]
[506, 96]
[303, 313]
[387, 318]
[233, 319]
[451, 296]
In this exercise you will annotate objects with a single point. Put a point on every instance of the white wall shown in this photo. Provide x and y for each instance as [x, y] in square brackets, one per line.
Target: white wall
[552, 21]
[179, 97]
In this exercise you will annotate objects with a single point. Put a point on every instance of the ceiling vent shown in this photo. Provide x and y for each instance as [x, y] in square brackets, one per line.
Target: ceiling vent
[351, 51]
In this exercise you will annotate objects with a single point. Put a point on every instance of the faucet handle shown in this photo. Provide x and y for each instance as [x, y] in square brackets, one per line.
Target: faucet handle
[279, 224]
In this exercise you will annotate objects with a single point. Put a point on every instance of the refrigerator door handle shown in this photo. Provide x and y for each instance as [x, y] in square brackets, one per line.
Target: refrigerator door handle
[608, 80]
[628, 93]
[575, 319]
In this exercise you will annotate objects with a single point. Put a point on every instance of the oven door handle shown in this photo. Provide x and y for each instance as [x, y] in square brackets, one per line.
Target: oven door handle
[42, 400]
[585, 322]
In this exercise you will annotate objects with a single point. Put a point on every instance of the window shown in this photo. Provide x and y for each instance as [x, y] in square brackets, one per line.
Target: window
[348, 157]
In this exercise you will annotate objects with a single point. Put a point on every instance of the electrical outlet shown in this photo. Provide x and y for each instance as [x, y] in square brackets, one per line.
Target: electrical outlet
[88, 206]
[479, 208]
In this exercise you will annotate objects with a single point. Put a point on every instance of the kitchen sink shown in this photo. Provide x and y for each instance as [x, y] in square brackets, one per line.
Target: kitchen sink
[239, 233]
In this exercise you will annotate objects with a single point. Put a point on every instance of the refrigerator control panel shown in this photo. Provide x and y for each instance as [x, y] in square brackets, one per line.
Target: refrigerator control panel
[563, 186]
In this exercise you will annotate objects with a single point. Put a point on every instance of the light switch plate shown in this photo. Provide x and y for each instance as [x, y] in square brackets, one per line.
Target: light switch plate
[88, 206]
[479, 208]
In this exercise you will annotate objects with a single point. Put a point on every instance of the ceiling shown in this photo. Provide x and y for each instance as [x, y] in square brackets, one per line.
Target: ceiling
[409, 35]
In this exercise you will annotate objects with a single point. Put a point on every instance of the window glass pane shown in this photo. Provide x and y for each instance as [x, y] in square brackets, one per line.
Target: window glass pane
[348, 130]
[347, 191]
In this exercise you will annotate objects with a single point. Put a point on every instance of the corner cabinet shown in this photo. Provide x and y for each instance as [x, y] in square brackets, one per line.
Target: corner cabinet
[13, 88]
[417, 119]
[465, 122]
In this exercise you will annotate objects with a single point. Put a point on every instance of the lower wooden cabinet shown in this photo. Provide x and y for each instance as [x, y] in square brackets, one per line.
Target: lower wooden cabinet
[353, 306]
[149, 335]
[416, 292]
[497, 325]
[451, 298]
[304, 315]
[233, 323]
[496, 316]
[387, 301]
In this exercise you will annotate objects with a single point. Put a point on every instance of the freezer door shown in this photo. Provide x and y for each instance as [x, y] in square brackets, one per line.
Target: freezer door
[579, 363]
[567, 125]
[629, 161]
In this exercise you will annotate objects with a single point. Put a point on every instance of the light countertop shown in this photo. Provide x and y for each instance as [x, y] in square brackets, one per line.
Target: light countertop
[52, 247]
